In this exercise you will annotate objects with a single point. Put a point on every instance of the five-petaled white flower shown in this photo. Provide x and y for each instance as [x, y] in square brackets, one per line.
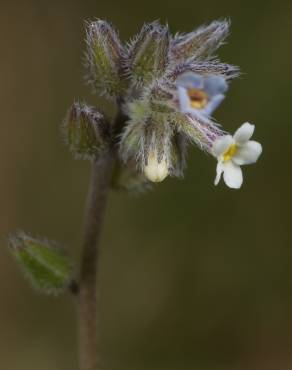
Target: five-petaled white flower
[199, 94]
[233, 152]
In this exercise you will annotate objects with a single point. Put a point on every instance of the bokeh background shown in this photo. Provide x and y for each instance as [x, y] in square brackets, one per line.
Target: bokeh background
[193, 277]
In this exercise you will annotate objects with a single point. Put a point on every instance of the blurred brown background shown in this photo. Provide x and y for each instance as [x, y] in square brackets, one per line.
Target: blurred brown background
[193, 277]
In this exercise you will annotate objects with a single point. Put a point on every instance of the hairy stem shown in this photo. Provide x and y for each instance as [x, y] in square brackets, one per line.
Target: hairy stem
[89, 340]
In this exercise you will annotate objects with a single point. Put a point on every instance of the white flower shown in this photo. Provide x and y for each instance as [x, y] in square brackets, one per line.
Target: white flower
[233, 152]
[199, 94]
[156, 171]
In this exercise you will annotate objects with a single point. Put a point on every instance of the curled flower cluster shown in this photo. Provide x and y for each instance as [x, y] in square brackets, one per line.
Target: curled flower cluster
[168, 88]
[176, 106]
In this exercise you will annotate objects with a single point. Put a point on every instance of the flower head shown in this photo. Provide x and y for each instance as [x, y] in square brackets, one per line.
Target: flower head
[198, 94]
[167, 88]
[177, 107]
[233, 152]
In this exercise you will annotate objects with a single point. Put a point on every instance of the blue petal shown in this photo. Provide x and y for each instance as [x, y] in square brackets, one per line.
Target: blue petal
[190, 80]
[215, 85]
[213, 105]
[183, 98]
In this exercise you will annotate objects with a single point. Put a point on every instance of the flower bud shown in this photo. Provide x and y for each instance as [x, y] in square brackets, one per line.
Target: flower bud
[155, 170]
[86, 131]
[201, 43]
[104, 59]
[46, 266]
[148, 140]
[227, 71]
[148, 54]
[198, 129]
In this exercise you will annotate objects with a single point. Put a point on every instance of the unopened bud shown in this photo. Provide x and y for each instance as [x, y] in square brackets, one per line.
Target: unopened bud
[148, 54]
[201, 43]
[155, 170]
[212, 67]
[104, 59]
[86, 131]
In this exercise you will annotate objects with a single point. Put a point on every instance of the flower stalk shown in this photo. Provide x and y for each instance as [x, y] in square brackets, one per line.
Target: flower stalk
[89, 333]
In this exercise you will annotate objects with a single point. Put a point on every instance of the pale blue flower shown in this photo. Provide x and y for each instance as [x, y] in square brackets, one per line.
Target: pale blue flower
[198, 94]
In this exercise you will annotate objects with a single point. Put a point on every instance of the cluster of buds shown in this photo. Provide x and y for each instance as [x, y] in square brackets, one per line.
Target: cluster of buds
[167, 88]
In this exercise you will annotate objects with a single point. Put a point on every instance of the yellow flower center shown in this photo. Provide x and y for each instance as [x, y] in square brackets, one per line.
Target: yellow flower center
[199, 98]
[230, 152]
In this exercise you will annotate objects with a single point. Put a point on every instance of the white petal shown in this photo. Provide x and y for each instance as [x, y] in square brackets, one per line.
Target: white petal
[156, 171]
[248, 153]
[219, 170]
[232, 175]
[222, 144]
[213, 105]
[244, 133]
[183, 98]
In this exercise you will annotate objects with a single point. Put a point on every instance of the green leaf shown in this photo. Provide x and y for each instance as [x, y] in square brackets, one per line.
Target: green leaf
[46, 266]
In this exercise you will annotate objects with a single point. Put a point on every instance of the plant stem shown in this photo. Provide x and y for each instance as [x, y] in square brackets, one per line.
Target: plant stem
[89, 340]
